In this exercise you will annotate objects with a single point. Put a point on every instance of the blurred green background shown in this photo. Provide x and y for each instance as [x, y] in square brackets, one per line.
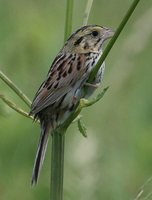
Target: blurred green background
[116, 158]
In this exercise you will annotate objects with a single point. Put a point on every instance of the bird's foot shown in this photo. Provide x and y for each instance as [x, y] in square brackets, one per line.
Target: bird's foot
[92, 85]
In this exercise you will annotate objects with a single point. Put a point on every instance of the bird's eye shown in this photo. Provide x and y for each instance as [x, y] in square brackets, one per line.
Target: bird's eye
[95, 33]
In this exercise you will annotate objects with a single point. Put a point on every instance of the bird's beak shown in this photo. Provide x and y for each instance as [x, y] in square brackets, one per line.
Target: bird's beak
[108, 33]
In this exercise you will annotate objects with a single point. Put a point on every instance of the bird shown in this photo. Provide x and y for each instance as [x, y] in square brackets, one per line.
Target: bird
[64, 86]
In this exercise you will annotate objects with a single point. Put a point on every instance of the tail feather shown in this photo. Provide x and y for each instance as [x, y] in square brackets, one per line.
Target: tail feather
[40, 155]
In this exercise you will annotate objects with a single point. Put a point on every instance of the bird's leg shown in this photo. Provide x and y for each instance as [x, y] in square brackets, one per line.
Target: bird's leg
[92, 85]
[74, 100]
[86, 102]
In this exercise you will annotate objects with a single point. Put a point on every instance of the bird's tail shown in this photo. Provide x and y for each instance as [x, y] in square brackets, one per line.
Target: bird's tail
[40, 155]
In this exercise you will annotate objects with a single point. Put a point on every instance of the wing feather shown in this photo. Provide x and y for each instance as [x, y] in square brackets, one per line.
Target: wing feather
[63, 75]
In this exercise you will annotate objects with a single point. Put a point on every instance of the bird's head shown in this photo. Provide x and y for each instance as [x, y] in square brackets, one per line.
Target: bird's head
[88, 39]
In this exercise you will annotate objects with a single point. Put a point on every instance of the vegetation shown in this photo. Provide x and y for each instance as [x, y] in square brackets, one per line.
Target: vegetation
[115, 159]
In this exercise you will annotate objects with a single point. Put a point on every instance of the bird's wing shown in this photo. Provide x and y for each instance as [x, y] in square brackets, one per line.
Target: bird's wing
[66, 70]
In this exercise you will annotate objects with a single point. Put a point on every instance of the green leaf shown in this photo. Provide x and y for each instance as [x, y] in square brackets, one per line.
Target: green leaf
[82, 128]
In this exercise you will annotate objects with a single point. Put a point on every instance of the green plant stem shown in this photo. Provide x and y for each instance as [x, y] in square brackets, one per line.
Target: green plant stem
[57, 164]
[15, 89]
[113, 40]
[87, 12]
[68, 21]
[14, 107]
[58, 136]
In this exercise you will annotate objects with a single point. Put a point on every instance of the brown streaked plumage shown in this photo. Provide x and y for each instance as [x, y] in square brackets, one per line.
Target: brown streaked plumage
[60, 93]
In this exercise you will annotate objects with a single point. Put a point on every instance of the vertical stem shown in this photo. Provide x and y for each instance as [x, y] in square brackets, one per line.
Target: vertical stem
[57, 165]
[68, 20]
[58, 136]
[87, 12]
